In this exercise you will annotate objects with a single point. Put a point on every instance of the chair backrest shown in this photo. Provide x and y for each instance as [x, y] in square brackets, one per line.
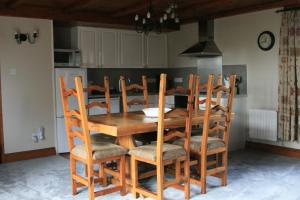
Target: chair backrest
[135, 101]
[164, 135]
[199, 87]
[75, 120]
[100, 89]
[223, 126]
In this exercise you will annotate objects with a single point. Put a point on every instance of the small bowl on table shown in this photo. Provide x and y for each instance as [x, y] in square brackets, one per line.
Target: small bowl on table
[153, 112]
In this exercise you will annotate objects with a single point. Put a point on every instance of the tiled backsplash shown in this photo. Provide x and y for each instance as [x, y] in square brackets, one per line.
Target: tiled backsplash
[180, 75]
[241, 72]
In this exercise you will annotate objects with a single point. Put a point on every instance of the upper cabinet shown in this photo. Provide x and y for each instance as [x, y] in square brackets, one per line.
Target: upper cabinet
[109, 48]
[87, 43]
[112, 48]
[132, 49]
[156, 50]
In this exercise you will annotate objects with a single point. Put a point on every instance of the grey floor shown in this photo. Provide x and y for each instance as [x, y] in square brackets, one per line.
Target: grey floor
[253, 175]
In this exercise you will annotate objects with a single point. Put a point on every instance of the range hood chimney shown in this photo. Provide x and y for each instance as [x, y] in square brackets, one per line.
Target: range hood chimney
[206, 47]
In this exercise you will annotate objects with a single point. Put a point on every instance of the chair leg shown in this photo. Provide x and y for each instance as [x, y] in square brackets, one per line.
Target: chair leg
[85, 170]
[203, 174]
[102, 174]
[160, 181]
[91, 183]
[73, 172]
[122, 176]
[134, 176]
[225, 164]
[187, 179]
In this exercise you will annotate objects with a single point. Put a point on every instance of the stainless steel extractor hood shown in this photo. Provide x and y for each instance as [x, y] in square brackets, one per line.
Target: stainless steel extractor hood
[206, 47]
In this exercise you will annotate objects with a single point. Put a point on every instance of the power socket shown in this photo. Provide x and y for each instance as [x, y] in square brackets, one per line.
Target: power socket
[41, 133]
[35, 138]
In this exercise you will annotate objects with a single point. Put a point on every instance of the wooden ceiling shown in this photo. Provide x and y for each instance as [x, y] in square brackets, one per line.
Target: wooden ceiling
[120, 13]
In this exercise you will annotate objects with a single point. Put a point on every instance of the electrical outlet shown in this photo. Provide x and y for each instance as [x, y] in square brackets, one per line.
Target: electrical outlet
[41, 133]
[35, 138]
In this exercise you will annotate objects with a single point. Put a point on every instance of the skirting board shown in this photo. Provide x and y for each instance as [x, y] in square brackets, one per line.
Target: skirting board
[25, 155]
[285, 151]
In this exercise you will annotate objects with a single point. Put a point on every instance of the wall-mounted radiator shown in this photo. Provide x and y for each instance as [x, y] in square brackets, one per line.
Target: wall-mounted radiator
[263, 124]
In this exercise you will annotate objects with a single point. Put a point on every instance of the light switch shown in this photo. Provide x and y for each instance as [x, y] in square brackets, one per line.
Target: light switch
[178, 79]
[12, 71]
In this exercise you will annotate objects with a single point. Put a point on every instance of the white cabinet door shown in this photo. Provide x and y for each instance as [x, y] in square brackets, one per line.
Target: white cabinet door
[132, 49]
[156, 51]
[109, 48]
[87, 43]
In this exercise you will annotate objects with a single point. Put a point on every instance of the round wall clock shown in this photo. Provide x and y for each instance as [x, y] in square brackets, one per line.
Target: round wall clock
[266, 40]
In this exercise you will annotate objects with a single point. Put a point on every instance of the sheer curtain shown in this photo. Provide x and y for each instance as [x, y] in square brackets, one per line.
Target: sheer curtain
[289, 77]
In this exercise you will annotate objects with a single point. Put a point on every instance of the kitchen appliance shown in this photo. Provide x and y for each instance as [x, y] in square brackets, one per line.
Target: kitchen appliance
[66, 58]
[206, 47]
[69, 74]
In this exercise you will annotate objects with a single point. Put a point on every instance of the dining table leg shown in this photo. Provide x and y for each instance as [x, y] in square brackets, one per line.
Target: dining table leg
[129, 143]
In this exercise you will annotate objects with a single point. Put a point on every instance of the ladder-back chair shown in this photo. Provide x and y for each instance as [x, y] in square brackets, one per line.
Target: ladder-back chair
[215, 133]
[89, 154]
[161, 153]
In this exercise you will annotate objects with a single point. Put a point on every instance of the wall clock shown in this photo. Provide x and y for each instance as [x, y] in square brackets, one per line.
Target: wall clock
[266, 40]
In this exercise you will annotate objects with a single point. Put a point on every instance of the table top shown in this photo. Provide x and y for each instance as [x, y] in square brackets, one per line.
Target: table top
[124, 124]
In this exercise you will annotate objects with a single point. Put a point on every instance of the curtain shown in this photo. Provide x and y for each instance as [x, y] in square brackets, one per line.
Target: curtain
[289, 73]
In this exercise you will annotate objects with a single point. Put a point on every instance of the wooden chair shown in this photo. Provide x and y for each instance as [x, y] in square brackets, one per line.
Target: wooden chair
[135, 101]
[214, 139]
[99, 137]
[197, 129]
[144, 138]
[87, 153]
[161, 153]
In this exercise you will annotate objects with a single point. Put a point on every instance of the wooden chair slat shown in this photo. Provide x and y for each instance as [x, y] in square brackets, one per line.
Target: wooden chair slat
[134, 87]
[217, 127]
[136, 101]
[70, 92]
[92, 88]
[219, 108]
[177, 90]
[219, 88]
[169, 135]
[96, 104]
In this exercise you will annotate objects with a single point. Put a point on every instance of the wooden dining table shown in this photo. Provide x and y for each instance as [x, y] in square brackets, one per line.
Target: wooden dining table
[124, 125]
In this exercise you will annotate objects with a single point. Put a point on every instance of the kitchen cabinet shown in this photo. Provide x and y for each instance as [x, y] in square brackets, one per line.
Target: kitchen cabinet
[156, 50]
[114, 106]
[113, 48]
[153, 101]
[108, 50]
[87, 43]
[132, 49]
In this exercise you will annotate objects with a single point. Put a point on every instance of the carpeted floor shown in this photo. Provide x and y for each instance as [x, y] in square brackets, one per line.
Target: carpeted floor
[253, 175]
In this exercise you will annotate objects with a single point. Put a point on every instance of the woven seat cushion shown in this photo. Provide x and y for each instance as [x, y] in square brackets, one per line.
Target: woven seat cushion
[170, 151]
[100, 137]
[195, 143]
[100, 150]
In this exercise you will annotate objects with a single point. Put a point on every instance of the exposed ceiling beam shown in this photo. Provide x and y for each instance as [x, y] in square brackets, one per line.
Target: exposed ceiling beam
[137, 7]
[58, 14]
[78, 5]
[274, 4]
[14, 3]
[257, 7]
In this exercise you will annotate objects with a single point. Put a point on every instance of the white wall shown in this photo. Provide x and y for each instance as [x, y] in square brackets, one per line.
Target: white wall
[237, 36]
[178, 41]
[27, 95]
